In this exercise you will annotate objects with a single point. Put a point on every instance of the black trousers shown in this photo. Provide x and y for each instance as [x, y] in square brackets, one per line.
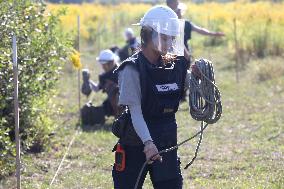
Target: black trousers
[165, 175]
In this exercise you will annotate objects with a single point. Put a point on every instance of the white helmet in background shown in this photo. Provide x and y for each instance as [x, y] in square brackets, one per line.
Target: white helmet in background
[164, 21]
[106, 56]
[182, 6]
[129, 32]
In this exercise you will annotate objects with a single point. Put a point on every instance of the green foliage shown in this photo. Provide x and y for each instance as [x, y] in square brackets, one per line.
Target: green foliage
[265, 69]
[42, 49]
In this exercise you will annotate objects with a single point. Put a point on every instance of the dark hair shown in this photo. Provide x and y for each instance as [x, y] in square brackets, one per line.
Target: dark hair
[146, 35]
[114, 48]
[170, 1]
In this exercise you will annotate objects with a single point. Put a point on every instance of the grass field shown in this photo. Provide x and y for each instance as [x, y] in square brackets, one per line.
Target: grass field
[243, 150]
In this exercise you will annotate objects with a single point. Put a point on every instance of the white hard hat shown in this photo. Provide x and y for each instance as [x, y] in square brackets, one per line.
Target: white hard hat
[106, 56]
[129, 31]
[162, 19]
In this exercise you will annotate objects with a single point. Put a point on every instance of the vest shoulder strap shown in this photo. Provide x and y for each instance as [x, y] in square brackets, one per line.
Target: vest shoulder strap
[133, 60]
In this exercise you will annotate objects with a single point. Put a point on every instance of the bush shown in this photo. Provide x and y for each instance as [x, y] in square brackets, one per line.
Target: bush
[42, 49]
[274, 69]
[260, 70]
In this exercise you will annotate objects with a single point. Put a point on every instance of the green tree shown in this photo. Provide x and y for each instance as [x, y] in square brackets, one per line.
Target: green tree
[42, 49]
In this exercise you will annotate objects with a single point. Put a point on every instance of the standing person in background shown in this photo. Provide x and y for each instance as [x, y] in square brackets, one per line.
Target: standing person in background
[189, 27]
[131, 45]
[175, 5]
[131, 40]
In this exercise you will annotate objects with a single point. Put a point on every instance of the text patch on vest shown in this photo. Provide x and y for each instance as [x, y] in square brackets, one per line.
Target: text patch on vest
[167, 87]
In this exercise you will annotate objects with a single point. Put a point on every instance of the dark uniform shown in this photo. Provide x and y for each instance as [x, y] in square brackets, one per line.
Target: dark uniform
[108, 83]
[187, 33]
[187, 37]
[128, 50]
[161, 88]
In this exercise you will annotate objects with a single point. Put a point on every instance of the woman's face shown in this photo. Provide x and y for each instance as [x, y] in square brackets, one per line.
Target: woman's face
[163, 43]
[108, 66]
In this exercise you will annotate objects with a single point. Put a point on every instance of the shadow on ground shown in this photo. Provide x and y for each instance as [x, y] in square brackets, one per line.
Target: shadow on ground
[97, 127]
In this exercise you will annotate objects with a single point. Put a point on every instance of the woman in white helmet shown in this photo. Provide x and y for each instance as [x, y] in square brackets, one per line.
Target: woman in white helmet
[151, 83]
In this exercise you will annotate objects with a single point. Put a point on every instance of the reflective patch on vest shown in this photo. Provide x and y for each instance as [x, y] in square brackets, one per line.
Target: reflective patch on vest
[168, 110]
[167, 87]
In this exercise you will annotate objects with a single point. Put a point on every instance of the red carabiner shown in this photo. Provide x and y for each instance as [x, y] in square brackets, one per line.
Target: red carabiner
[119, 158]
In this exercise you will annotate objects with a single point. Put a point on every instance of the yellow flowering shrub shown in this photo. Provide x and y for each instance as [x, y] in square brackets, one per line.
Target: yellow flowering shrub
[259, 25]
[75, 59]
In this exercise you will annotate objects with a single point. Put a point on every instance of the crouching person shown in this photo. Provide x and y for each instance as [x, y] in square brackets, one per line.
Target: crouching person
[108, 83]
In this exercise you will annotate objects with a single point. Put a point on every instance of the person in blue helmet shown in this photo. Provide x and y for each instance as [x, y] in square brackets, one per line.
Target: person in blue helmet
[151, 83]
[131, 45]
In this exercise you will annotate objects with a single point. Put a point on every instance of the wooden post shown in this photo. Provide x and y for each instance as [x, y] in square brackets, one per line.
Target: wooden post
[209, 40]
[16, 113]
[236, 50]
[98, 40]
[79, 71]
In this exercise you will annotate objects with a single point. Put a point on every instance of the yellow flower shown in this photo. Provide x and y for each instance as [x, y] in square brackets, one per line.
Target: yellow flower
[75, 59]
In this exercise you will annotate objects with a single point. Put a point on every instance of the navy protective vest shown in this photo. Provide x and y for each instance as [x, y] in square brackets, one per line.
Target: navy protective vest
[110, 75]
[161, 87]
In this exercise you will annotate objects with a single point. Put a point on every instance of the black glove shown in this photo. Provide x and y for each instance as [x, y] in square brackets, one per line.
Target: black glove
[86, 88]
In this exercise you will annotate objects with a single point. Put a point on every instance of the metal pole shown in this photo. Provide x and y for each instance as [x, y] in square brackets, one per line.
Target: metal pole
[99, 38]
[79, 72]
[16, 113]
[209, 27]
